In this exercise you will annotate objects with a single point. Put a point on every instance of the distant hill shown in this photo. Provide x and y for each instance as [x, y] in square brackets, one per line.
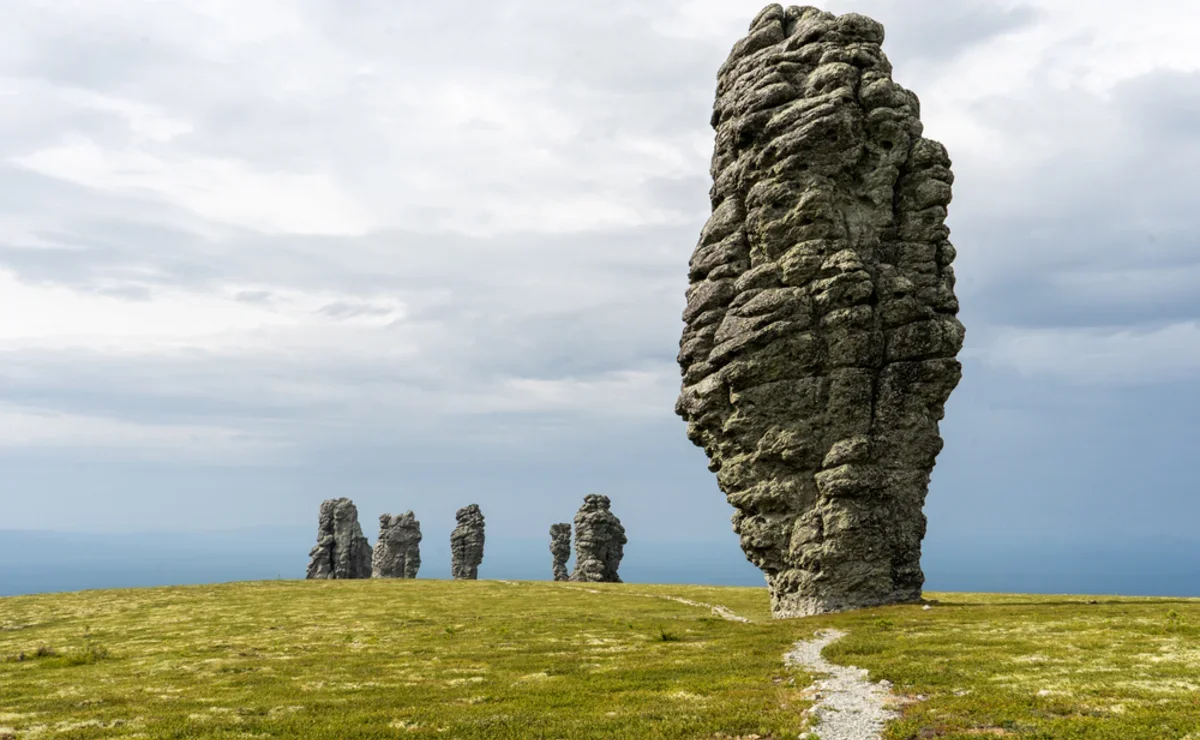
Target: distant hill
[32, 561]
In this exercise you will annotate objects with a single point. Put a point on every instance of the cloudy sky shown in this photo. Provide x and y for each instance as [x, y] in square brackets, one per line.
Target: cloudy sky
[257, 254]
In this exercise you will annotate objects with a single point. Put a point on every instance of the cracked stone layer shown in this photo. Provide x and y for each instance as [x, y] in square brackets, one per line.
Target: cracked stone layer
[560, 549]
[820, 329]
[599, 541]
[341, 551]
[398, 549]
[466, 543]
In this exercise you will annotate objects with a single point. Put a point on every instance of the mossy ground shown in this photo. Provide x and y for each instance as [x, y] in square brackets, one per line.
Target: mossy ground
[386, 659]
[1034, 666]
[493, 659]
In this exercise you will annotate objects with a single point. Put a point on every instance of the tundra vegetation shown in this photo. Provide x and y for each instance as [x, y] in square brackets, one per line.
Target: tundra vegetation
[381, 658]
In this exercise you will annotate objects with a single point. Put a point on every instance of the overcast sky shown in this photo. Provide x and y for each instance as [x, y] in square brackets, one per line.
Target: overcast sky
[257, 254]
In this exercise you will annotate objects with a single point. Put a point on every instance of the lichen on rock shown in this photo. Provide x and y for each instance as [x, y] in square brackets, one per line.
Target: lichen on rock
[560, 549]
[599, 541]
[398, 549]
[341, 550]
[466, 543]
[820, 330]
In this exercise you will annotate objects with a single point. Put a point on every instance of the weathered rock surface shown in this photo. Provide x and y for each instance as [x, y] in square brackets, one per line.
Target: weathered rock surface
[599, 541]
[398, 550]
[821, 331]
[342, 551]
[466, 543]
[560, 549]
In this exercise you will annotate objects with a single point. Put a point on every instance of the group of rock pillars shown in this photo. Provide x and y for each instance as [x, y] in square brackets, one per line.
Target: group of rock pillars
[342, 551]
[820, 334]
[599, 543]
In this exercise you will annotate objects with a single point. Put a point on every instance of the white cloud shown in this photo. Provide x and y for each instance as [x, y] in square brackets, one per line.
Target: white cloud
[56, 316]
[145, 121]
[620, 394]
[322, 162]
[22, 428]
[224, 191]
[1099, 356]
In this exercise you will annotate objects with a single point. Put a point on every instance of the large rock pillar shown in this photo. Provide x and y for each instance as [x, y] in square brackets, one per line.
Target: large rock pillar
[820, 330]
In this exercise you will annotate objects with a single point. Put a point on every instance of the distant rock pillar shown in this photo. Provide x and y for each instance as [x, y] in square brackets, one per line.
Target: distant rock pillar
[560, 549]
[599, 541]
[398, 551]
[466, 543]
[341, 551]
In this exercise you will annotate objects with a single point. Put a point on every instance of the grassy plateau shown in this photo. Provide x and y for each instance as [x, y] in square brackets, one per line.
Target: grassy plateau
[499, 659]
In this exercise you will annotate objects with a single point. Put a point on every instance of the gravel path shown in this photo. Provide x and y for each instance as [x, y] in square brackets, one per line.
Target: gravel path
[849, 707]
[723, 612]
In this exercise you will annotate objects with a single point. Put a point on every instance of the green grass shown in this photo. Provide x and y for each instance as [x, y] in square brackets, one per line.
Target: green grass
[1034, 666]
[492, 659]
[386, 659]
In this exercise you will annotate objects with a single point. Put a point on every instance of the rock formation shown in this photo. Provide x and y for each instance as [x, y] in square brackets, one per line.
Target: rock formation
[342, 551]
[466, 543]
[560, 549]
[599, 541]
[398, 550]
[821, 330]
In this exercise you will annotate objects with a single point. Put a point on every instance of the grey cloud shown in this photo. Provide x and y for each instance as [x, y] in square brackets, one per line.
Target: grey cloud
[92, 260]
[1072, 457]
[482, 298]
[254, 296]
[43, 122]
[1076, 297]
[128, 292]
[69, 54]
[1097, 232]
[606, 68]
[683, 194]
[348, 310]
[1163, 104]
[933, 31]
[473, 344]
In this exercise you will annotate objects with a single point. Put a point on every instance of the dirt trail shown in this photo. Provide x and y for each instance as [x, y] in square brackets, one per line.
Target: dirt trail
[723, 612]
[849, 707]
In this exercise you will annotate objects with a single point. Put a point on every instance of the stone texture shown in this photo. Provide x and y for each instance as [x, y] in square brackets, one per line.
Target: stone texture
[560, 549]
[398, 549]
[820, 330]
[466, 543]
[342, 551]
[599, 541]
